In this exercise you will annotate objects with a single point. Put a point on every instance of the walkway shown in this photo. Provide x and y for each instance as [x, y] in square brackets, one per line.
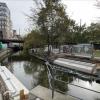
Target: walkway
[1, 96]
[46, 94]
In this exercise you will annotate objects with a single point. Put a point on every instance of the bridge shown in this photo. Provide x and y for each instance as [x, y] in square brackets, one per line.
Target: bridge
[11, 40]
[14, 44]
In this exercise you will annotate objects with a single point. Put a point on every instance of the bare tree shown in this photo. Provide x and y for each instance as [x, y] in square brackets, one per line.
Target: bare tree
[97, 4]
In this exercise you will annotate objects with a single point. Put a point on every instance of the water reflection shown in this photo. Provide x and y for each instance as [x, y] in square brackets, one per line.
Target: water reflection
[83, 93]
[60, 81]
[27, 72]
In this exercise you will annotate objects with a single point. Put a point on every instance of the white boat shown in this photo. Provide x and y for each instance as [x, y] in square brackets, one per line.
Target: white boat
[76, 65]
[14, 86]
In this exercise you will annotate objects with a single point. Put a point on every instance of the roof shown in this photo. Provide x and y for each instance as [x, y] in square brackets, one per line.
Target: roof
[76, 65]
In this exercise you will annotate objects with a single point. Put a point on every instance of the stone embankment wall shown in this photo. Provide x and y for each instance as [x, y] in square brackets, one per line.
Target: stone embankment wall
[5, 53]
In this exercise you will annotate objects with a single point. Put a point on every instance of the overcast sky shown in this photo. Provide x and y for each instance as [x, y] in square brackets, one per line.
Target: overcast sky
[76, 9]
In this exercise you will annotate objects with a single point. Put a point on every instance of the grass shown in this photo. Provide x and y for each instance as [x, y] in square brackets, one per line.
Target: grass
[97, 53]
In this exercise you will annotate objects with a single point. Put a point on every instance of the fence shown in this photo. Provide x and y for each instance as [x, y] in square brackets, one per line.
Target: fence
[85, 50]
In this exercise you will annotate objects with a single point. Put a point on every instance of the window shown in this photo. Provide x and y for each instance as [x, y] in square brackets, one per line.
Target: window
[1, 35]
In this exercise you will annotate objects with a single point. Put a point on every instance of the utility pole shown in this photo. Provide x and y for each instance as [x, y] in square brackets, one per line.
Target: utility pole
[19, 31]
[80, 25]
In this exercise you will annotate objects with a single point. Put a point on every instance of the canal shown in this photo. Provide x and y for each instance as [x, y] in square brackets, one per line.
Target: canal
[32, 72]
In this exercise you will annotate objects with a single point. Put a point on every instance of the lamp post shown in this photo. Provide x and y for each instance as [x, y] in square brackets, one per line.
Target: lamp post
[48, 40]
[92, 50]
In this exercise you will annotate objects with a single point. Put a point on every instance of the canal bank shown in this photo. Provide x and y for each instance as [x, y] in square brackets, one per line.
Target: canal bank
[5, 53]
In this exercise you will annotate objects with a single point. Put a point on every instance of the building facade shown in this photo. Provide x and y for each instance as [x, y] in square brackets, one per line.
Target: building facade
[5, 22]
